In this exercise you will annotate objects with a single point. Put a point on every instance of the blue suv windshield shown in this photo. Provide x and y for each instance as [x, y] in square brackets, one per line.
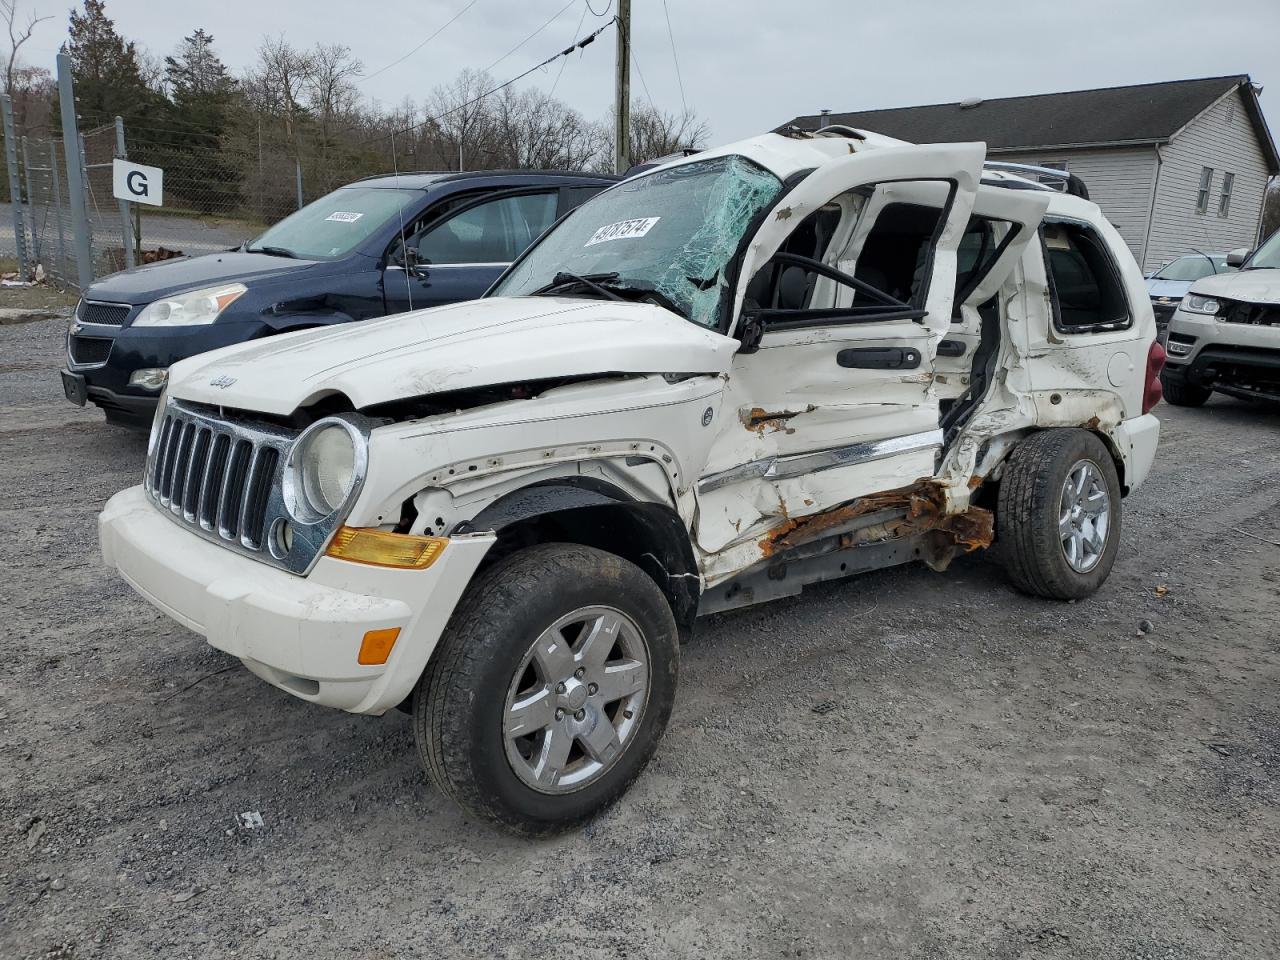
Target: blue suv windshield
[671, 232]
[333, 226]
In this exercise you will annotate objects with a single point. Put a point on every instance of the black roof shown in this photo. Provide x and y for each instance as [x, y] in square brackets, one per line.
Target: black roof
[1111, 116]
[425, 179]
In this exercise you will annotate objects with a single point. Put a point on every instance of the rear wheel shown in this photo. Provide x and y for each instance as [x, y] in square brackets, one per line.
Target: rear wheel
[551, 688]
[1182, 394]
[1058, 518]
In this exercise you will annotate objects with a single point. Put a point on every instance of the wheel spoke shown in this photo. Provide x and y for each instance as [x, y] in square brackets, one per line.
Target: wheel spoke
[554, 656]
[593, 649]
[621, 680]
[533, 713]
[601, 741]
[553, 756]
[1065, 526]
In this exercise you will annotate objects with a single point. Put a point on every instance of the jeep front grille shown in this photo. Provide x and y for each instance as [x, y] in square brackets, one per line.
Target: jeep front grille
[224, 479]
[214, 478]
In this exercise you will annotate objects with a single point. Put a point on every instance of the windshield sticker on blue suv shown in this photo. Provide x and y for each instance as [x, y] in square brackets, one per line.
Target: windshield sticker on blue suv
[342, 217]
[622, 230]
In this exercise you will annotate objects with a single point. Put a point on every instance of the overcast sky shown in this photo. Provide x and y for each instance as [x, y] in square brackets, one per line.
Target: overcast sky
[747, 65]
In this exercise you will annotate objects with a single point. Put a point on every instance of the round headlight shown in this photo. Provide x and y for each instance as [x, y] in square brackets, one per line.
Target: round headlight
[326, 464]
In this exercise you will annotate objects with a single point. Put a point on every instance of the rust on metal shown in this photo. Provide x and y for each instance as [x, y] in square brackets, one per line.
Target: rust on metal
[762, 421]
[923, 506]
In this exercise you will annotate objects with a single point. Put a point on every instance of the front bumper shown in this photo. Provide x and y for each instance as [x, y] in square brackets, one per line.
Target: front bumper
[1234, 358]
[299, 634]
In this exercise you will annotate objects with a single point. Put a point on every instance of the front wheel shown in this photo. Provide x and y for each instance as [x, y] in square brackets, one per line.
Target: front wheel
[1058, 519]
[1182, 394]
[550, 689]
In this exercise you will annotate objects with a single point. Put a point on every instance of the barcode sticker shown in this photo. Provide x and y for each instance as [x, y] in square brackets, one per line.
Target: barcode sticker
[342, 217]
[623, 230]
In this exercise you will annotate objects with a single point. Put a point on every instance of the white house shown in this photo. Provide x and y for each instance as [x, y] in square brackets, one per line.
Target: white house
[1176, 166]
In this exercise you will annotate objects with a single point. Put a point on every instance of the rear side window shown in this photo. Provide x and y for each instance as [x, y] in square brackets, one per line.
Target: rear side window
[1084, 281]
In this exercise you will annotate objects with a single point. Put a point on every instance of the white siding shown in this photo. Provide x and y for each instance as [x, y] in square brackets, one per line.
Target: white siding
[1119, 181]
[1222, 138]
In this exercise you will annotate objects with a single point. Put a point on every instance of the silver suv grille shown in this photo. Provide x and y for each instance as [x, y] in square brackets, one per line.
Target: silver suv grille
[224, 480]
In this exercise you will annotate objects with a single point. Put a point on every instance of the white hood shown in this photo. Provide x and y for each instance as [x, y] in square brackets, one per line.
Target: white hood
[472, 344]
[1254, 286]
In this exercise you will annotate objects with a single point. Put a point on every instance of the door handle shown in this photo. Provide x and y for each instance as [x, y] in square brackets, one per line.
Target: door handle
[879, 358]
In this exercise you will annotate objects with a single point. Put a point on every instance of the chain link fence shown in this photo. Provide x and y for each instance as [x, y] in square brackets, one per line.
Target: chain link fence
[218, 192]
[46, 205]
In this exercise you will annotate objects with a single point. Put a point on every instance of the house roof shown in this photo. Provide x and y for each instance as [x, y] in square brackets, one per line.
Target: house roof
[1110, 116]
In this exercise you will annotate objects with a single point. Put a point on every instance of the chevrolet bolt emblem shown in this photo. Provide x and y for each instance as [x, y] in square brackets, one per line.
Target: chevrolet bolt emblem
[222, 382]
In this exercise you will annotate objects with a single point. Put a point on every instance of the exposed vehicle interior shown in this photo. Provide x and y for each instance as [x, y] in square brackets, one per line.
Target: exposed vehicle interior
[1086, 284]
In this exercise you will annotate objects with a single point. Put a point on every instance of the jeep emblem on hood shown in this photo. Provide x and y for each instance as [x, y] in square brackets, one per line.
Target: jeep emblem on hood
[222, 382]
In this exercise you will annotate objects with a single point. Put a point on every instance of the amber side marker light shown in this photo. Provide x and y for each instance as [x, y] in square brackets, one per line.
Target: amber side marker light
[382, 549]
[376, 646]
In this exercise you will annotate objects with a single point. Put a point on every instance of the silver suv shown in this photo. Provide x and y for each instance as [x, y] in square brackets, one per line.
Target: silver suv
[1225, 334]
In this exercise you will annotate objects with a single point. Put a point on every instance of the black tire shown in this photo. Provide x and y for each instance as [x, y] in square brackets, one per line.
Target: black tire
[1028, 514]
[1182, 394]
[459, 703]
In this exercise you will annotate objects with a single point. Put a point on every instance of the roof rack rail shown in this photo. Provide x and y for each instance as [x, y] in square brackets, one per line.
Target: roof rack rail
[1071, 183]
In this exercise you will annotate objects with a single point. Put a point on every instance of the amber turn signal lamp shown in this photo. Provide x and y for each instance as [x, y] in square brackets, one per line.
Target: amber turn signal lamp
[382, 549]
[376, 646]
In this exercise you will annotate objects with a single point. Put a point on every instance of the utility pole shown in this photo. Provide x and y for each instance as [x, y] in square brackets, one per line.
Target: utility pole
[622, 92]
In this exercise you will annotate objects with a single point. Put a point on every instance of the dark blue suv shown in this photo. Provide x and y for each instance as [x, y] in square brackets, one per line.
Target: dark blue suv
[379, 246]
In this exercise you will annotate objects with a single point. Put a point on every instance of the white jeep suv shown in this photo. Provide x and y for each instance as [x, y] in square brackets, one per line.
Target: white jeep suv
[783, 361]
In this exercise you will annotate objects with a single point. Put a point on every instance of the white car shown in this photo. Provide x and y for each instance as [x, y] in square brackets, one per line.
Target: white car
[1225, 335]
[786, 360]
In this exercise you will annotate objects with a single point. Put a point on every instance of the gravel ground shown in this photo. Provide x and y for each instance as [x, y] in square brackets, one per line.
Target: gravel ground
[902, 765]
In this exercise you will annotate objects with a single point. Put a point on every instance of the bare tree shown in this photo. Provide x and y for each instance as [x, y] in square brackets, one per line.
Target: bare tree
[18, 35]
[462, 121]
[535, 131]
[655, 133]
[276, 84]
[331, 95]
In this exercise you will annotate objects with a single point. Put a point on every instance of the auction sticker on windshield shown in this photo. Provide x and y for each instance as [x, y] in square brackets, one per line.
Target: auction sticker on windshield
[343, 217]
[623, 230]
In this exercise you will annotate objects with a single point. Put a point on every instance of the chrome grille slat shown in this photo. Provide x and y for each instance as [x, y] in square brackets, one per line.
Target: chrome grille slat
[212, 484]
[224, 479]
[248, 535]
[197, 466]
[180, 461]
[156, 466]
[233, 490]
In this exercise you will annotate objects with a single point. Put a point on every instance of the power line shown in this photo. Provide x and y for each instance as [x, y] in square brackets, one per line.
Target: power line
[640, 73]
[565, 62]
[607, 7]
[580, 44]
[672, 37]
[419, 46]
[555, 16]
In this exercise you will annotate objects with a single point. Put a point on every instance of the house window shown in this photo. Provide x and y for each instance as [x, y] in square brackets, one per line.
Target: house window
[1056, 183]
[1206, 182]
[1224, 201]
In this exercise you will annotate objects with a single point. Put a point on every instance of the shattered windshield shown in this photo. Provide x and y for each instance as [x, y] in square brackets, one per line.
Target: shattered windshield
[671, 233]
